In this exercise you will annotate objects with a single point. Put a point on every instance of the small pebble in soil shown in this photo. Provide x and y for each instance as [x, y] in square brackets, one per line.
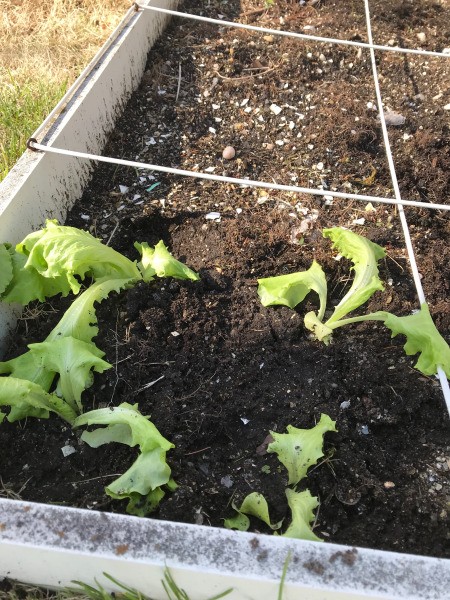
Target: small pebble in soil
[226, 481]
[389, 485]
[67, 450]
[228, 153]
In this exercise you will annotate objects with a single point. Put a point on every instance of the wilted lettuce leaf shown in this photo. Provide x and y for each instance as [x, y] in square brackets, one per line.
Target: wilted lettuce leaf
[159, 261]
[302, 505]
[142, 482]
[290, 290]
[300, 449]
[364, 255]
[31, 400]
[254, 505]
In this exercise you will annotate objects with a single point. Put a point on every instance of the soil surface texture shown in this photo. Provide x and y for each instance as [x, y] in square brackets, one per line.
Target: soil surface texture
[226, 370]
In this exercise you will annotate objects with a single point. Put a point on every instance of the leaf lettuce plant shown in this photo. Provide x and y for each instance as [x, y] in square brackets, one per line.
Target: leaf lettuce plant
[57, 259]
[297, 450]
[422, 337]
[142, 484]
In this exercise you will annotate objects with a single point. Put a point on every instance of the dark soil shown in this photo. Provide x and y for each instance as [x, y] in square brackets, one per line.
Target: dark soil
[236, 369]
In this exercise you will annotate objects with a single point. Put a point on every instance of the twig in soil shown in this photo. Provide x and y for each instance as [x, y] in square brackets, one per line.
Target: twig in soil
[100, 477]
[7, 492]
[394, 261]
[197, 451]
[199, 388]
[148, 385]
[233, 79]
[179, 82]
[112, 234]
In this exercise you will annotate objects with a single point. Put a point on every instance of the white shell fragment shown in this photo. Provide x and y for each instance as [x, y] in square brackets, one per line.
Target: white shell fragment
[213, 216]
[275, 109]
[68, 450]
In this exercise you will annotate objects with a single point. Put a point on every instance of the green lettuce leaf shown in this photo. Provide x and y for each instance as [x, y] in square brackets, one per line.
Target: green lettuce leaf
[422, 338]
[141, 483]
[6, 269]
[78, 322]
[74, 360]
[31, 400]
[300, 449]
[302, 505]
[137, 430]
[27, 284]
[254, 505]
[71, 253]
[290, 290]
[149, 472]
[159, 261]
[364, 255]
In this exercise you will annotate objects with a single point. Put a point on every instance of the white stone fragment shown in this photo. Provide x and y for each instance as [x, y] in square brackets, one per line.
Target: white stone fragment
[211, 130]
[123, 189]
[174, 333]
[68, 450]
[210, 169]
[245, 421]
[393, 118]
[275, 109]
[212, 216]
[447, 107]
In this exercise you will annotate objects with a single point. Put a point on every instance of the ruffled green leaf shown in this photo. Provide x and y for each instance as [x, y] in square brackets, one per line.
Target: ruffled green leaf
[364, 255]
[74, 360]
[28, 284]
[149, 471]
[422, 338]
[142, 482]
[302, 506]
[290, 290]
[25, 394]
[300, 449]
[159, 261]
[141, 432]
[254, 505]
[71, 253]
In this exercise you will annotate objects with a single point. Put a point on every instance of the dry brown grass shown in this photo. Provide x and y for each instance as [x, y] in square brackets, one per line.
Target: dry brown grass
[53, 39]
[44, 45]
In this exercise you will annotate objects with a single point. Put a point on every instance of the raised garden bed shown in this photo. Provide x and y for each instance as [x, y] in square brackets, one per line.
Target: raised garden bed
[229, 369]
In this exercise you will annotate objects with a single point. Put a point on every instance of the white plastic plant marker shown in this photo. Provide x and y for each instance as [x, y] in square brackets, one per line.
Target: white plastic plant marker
[52, 546]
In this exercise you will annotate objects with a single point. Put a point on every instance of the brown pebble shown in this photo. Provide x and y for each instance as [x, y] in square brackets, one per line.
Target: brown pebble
[270, 146]
[229, 152]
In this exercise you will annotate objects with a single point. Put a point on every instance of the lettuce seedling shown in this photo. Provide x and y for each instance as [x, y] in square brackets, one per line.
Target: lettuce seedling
[143, 482]
[68, 351]
[55, 260]
[297, 450]
[419, 328]
[58, 258]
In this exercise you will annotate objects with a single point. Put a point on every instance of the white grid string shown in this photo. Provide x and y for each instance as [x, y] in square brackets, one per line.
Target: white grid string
[234, 180]
[398, 201]
[406, 233]
[293, 34]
